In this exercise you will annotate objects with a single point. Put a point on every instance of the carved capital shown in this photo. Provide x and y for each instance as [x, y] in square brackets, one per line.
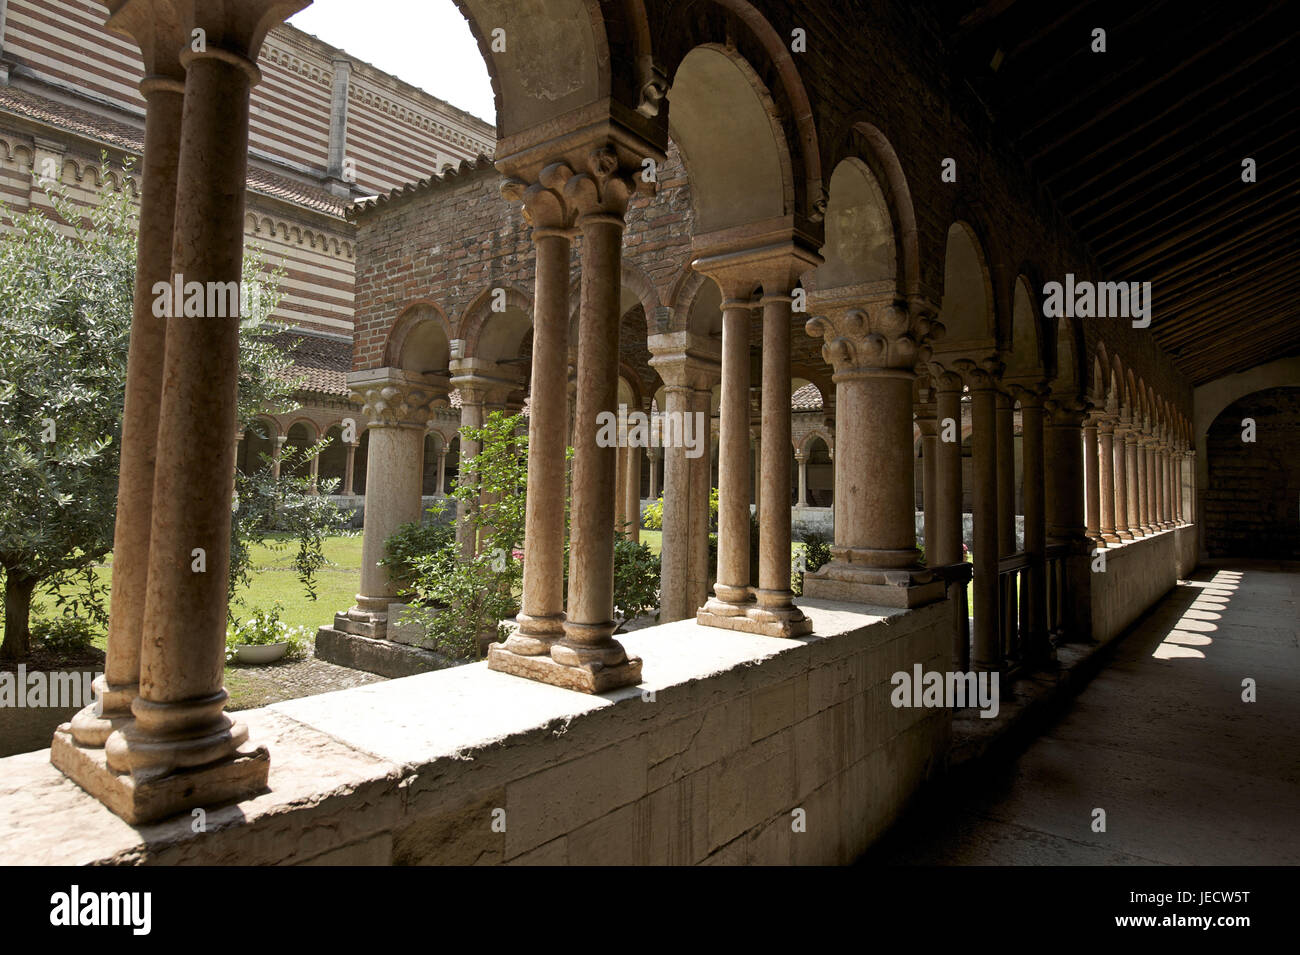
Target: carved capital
[155, 26]
[233, 30]
[544, 202]
[980, 375]
[603, 187]
[874, 335]
[392, 398]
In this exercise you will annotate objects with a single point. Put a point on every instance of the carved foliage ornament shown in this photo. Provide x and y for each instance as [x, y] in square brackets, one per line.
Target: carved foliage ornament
[393, 404]
[875, 336]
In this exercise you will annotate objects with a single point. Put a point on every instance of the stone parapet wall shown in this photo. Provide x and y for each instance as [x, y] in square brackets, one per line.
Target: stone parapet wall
[1138, 573]
[706, 762]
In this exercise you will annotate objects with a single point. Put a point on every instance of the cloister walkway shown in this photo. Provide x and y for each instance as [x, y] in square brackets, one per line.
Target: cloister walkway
[1187, 773]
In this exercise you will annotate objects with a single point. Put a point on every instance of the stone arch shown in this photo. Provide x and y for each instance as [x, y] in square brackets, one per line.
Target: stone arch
[968, 304]
[560, 57]
[1024, 358]
[478, 315]
[865, 142]
[722, 118]
[739, 26]
[420, 339]
[1067, 370]
[862, 247]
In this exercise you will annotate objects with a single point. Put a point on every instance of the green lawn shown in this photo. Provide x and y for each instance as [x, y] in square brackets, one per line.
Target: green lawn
[273, 579]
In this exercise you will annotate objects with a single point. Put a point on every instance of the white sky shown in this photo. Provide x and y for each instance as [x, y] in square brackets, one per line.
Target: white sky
[427, 43]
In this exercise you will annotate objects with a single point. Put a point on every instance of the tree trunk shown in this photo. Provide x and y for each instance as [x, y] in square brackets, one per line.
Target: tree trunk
[18, 605]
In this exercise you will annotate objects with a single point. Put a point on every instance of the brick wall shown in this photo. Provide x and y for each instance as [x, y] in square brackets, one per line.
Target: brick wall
[1252, 503]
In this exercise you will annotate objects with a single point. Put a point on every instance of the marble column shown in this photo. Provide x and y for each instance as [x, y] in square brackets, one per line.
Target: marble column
[1134, 505]
[277, 450]
[801, 458]
[178, 723]
[1037, 643]
[552, 216]
[1106, 481]
[655, 455]
[1144, 487]
[732, 596]
[947, 478]
[1064, 504]
[983, 381]
[163, 89]
[442, 470]
[587, 657]
[1151, 484]
[397, 405]
[873, 347]
[620, 483]
[349, 472]
[689, 366]
[1006, 456]
[1092, 482]
[776, 610]
[927, 424]
[632, 494]
[1120, 466]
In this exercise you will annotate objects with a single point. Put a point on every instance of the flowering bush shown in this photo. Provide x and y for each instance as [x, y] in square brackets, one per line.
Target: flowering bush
[264, 628]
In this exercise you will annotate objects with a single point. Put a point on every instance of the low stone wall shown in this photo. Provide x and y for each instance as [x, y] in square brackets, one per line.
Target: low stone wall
[1138, 573]
[736, 748]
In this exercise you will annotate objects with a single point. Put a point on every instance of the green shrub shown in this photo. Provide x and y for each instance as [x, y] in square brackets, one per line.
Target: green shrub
[636, 580]
[409, 543]
[63, 635]
[653, 519]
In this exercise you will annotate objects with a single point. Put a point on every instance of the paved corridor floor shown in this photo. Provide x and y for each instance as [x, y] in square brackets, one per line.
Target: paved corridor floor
[1161, 740]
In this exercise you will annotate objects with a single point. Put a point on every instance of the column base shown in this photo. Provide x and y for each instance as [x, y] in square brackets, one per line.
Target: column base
[143, 800]
[364, 622]
[588, 678]
[1124, 535]
[901, 588]
[1110, 537]
[766, 621]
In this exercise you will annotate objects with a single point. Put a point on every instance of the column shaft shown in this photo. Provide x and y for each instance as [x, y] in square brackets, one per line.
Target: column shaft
[985, 655]
[1036, 644]
[120, 682]
[732, 586]
[1106, 481]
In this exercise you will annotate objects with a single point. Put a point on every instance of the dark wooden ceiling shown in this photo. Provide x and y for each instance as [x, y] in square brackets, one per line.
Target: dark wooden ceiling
[1141, 148]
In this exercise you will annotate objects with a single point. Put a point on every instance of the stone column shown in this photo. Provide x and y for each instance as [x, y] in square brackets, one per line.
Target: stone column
[163, 88]
[632, 493]
[552, 216]
[588, 658]
[928, 425]
[688, 365]
[732, 596]
[801, 458]
[1092, 482]
[441, 490]
[1006, 454]
[472, 399]
[1143, 487]
[314, 470]
[982, 382]
[873, 347]
[398, 405]
[1153, 522]
[1120, 465]
[1063, 447]
[1037, 642]
[1166, 488]
[947, 476]
[1106, 482]
[276, 451]
[1134, 505]
[620, 483]
[349, 472]
[655, 454]
[178, 723]
[776, 609]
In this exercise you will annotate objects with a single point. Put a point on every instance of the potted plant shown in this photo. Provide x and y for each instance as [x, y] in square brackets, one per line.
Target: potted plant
[264, 638]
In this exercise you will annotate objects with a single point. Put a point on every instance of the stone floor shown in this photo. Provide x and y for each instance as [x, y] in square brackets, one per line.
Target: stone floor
[1187, 773]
